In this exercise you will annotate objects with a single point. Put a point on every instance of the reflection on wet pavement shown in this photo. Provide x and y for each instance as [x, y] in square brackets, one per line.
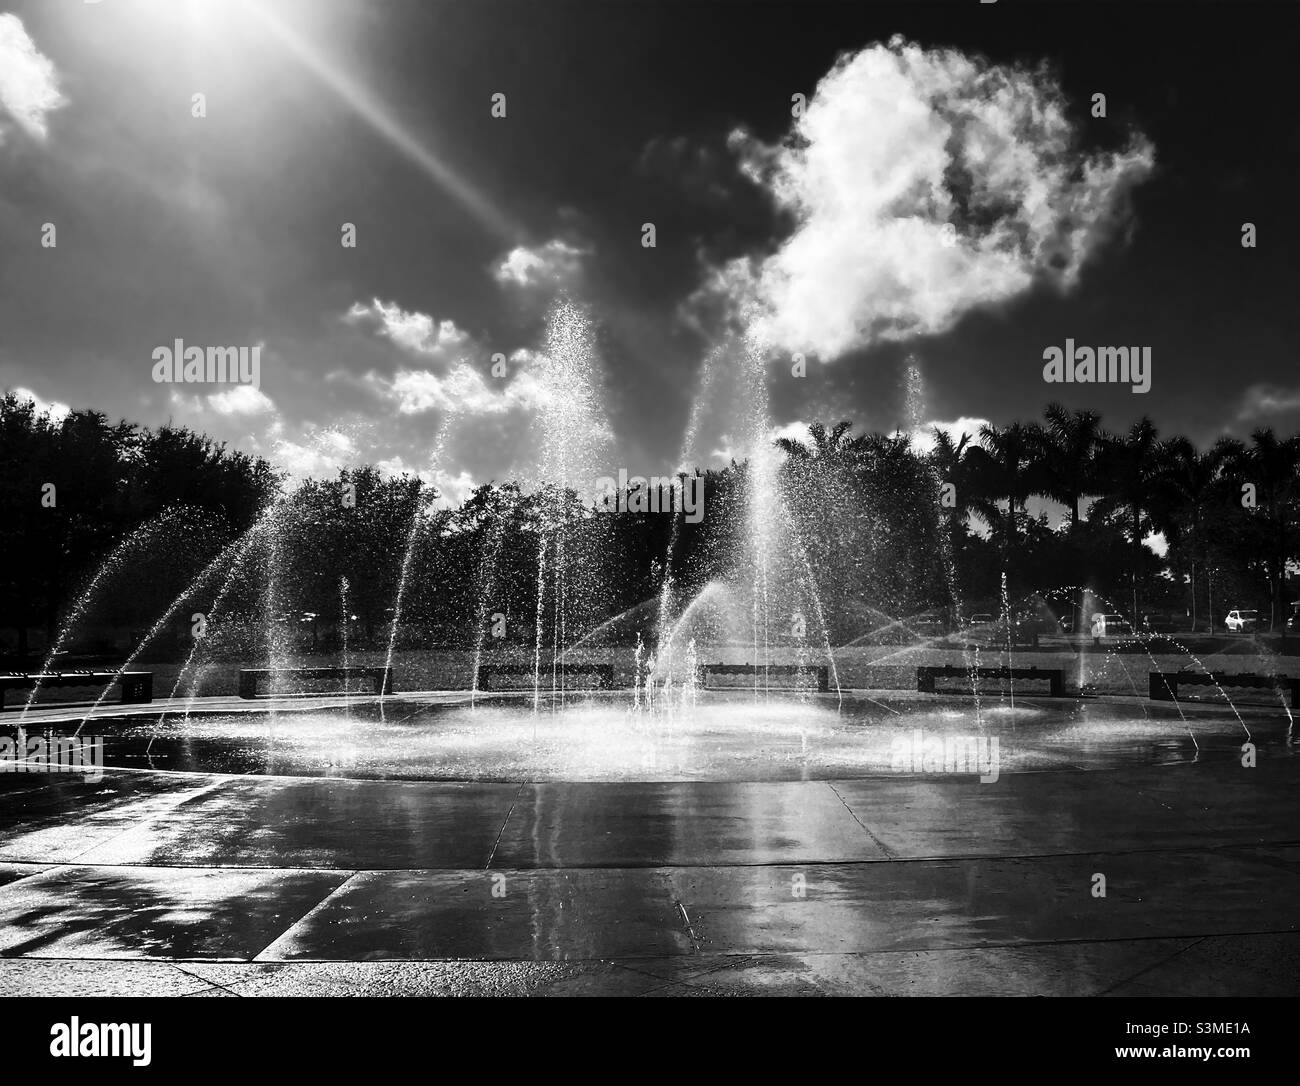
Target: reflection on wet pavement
[806, 880]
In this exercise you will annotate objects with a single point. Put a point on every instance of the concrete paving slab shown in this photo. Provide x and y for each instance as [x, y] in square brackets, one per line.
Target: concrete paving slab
[1232, 966]
[1018, 815]
[1071, 969]
[104, 912]
[542, 916]
[680, 823]
[13, 872]
[423, 979]
[925, 905]
[1248, 965]
[57, 821]
[26, 798]
[1232, 803]
[62, 977]
[322, 823]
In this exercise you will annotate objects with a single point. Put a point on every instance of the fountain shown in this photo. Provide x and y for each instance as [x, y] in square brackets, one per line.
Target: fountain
[715, 670]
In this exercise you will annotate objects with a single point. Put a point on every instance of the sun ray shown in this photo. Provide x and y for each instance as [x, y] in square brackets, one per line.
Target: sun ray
[377, 114]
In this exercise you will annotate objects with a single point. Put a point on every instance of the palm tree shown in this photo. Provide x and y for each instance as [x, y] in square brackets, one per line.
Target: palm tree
[1002, 469]
[824, 446]
[1189, 487]
[952, 464]
[821, 473]
[1069, 442]
[1131, 466]
[1272, 466]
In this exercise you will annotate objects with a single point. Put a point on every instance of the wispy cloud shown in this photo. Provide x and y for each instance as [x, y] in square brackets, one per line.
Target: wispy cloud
[29, 84]
[1263, 401]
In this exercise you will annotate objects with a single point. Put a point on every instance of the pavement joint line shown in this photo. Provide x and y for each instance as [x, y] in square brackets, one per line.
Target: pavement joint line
[728, 958]
[203, 980]
[690, 931]
[180, 801]
[313, 909]
[501, 832]
[889, 853]
[717, 962]
[1154, 965]
[1190, 848]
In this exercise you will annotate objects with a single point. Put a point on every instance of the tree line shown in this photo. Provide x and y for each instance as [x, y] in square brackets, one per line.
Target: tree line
[884, 528]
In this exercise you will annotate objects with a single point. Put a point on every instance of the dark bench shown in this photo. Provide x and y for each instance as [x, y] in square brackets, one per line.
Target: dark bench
[137, 686]
[822, 672]
[1026, 641]
[1163, 685]
[1053, 676]
[604, 672]
[382, 677]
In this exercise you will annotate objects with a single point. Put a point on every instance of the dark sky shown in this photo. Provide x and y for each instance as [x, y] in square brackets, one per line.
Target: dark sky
[225, 230]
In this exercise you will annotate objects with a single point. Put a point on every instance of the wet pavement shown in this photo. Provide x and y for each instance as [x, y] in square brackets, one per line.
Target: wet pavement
[207, 884]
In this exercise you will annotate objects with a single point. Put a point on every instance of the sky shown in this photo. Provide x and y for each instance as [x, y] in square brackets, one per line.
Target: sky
[946, 199]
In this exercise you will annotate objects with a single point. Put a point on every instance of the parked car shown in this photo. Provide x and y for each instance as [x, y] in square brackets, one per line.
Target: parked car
[981, 620]
[1242, 621]
[1104, 625]
[928, 627]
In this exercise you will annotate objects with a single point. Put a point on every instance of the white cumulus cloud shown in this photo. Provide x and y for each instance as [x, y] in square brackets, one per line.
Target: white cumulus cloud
[53, 408]
[922, 184]
[554, 264]
[413, 330]
[463, 390]
[922, 439]
[241, 400]
[322, 454]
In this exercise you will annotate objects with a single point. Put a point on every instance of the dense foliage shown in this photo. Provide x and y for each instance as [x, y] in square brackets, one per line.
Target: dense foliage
[885, 530]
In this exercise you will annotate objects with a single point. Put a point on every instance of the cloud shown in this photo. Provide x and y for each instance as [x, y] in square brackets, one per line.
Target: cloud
[241, 400]
[453, 489]
[922, 184]
[729, 447]
[458, 387]
[463, 390]
[471, 404]
[53, 408]
[1264, 400]
[414, 331]
[323, 454]
[922, 439]
[29, 84]
[798, 431]
[556, 264]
